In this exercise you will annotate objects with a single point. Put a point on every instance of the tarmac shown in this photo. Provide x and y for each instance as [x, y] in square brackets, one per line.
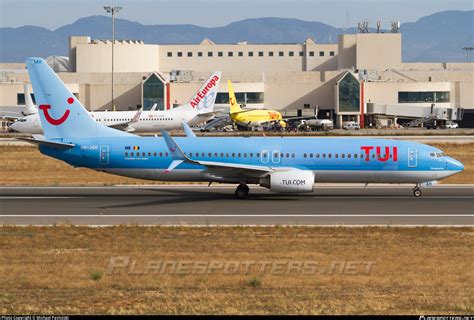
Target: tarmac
[199, 205]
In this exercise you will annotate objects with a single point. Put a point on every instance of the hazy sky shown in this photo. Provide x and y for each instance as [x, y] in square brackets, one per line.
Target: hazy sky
[52, 14]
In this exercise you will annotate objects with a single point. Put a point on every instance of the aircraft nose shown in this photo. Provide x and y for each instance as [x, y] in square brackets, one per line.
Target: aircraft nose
[454, 165]
[11, 126]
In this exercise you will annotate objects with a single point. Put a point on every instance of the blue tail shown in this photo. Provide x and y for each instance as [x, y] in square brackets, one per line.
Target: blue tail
[62, 115]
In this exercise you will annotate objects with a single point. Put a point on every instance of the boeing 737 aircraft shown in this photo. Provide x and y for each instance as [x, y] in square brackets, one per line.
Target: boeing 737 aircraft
[251, 118]
[280, 164]
[198, 110]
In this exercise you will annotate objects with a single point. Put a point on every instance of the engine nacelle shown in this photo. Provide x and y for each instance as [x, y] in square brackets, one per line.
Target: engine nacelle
[289, 181]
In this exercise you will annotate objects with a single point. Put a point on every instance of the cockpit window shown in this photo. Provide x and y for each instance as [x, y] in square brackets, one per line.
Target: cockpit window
[437, 154]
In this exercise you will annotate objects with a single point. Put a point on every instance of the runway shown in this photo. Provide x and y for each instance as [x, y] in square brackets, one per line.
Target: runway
[202, 205]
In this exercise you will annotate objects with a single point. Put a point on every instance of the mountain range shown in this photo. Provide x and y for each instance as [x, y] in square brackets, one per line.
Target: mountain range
[439, 37]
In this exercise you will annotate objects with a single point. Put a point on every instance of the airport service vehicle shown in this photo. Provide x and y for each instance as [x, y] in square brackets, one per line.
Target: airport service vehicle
[451, 125]
[319, 124]
[198, 110]
[351, 125]
[286, 165]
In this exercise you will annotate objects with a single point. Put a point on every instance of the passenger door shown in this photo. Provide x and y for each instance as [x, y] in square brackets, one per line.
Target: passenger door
[104, 155]
[412, 157]
[276, 156]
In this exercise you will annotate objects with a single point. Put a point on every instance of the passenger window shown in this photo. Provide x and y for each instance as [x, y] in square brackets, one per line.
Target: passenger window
[233, 155]
[292, 155]
[126, 154]
[287, 155]
[131, 154]
[311, 155]
[245, 155]
[149, 154]
[238, 155]
[251, 155]
[336, 155]
[209, 154]
[304, 155]
[226, 155]
[161, 154]
[329, 155]
[343, 156]
[324, 155]
[222, 154]
[154, 154]
[143, 154]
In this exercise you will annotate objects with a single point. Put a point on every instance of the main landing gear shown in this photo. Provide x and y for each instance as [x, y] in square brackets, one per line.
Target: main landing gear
[242, 191]
[417, 191]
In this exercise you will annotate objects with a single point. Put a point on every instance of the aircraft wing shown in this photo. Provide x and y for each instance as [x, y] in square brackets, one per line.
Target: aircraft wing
[208, 114]
[10, 118]
[299, 118]
[213, 167]
[125, 126]
[14, 116]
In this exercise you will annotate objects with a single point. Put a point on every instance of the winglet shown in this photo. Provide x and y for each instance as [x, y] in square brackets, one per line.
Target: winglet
[177, 154]
[175, 150]
[137, 116]
[189, 132]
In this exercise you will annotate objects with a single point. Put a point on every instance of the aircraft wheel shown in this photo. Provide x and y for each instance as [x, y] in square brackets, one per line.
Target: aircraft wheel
[242, 191]
[417, 192]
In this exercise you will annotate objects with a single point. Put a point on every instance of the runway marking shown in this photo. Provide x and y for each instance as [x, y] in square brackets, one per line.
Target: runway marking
[38, 197]
[131, 197]
[229, 215]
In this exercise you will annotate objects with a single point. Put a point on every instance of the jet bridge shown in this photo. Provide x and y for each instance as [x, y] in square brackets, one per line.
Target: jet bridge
[418, 115]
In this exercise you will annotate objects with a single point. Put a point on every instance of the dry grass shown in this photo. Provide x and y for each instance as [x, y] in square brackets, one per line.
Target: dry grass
[27, 166]
[63, 269]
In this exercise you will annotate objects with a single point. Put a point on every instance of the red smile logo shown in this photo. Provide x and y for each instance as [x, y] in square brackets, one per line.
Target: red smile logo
[51, 120]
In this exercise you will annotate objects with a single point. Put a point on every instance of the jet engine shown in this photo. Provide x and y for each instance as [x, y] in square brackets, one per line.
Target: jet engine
[289, 181]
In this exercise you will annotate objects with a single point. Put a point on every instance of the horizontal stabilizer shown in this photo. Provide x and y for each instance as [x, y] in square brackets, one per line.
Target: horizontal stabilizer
[49, 143]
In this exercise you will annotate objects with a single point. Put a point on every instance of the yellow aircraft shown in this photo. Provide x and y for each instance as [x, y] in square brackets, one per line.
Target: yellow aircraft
[253, 117]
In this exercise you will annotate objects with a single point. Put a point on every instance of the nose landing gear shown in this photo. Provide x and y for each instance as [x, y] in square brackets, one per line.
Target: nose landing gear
[417, 191]
[242, 191]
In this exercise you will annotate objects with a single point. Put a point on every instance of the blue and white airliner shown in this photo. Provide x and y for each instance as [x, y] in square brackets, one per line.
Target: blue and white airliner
[281, 164]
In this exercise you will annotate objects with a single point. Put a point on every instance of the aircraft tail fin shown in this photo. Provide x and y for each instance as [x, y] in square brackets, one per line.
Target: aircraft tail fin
[29, 105]
[204, 99]
[62, 115]
[234, 106]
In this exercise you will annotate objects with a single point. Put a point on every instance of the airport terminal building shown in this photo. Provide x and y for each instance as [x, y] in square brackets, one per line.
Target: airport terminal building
[361, 78]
